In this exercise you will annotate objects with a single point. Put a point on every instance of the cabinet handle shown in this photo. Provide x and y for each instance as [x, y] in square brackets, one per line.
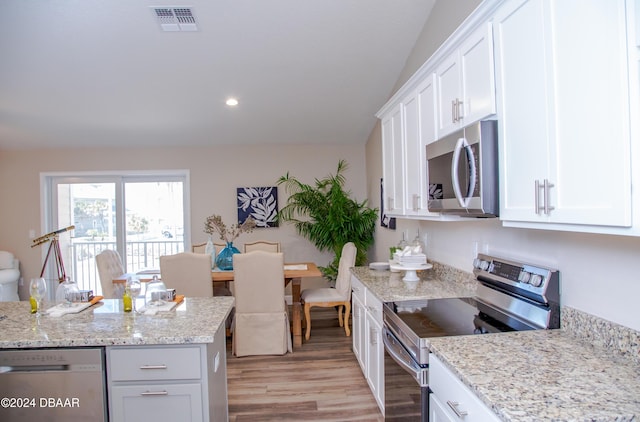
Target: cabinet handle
[143, 367]
[537, 197]
[454, 406]
[373, 336]
[390, 203]
[154, 393]
[547, 186]
[453, 111]
[416, 202]
[459, 115]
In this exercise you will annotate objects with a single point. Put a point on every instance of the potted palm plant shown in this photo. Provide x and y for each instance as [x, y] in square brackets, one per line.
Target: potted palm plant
[328, 216]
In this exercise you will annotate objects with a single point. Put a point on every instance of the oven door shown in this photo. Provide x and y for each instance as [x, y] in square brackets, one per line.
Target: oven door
[406, 393]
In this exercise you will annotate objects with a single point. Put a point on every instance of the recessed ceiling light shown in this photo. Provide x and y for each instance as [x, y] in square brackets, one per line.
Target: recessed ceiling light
[232, 102]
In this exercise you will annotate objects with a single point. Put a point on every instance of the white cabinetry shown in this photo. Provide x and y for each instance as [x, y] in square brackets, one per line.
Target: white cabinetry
[367, 338]
[466, 83]
[420, 130]
[454, 88]
[168, 383]
[393, 161]
[564, 112]
[451, 400]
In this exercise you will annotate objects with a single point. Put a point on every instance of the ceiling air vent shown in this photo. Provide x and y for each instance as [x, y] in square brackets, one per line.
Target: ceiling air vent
[175, 18]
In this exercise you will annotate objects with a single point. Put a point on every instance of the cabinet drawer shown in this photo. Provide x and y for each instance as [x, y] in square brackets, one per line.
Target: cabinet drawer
[453, 394]
[374, 306]
[151, 363]
[358, 288]
[161, 402]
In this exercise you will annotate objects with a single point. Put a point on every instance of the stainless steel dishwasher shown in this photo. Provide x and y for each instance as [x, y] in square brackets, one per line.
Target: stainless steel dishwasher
[52, 385]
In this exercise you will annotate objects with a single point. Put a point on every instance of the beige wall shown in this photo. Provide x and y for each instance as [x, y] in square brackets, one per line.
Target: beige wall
[215, 173]
[598, 272]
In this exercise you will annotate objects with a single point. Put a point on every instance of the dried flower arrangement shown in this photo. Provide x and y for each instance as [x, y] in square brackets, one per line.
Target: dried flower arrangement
[214, 224]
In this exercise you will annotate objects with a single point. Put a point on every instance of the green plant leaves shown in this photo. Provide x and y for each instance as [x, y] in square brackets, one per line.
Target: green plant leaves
[328, 216]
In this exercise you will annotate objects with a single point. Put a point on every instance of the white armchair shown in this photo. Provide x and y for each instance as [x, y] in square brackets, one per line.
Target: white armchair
[9, 277]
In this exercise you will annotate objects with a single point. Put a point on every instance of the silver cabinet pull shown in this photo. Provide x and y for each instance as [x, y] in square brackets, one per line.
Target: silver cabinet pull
[538, 208]
[547, 186]
[416, 202]
[453, 111]
[153, 367]
[459, 115]
[454, 406]
[154, 393]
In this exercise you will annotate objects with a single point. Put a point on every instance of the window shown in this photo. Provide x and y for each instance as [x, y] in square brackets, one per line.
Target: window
[141, 215]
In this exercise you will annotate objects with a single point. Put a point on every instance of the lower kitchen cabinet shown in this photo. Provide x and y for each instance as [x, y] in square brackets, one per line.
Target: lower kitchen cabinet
[451, 400]
[367, 338]
[168, 382]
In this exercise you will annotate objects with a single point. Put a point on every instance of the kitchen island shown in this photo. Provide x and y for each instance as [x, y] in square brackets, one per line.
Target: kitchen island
[181, 351]
[589, 370]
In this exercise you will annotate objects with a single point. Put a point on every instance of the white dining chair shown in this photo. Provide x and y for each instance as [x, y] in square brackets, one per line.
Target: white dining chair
[261, 321]
[109, 266]
[339, 296]
[262, 245]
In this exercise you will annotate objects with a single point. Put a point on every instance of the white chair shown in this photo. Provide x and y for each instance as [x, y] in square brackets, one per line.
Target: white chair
[339, 296]
[188, 273]
[262, 245]
[9, 277]
[198, 247]
[109, 267]
[261, 322]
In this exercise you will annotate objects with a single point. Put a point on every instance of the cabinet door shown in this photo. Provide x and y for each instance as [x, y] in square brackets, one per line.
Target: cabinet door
[548, 60]
[392, 161]
[359, 331]
[478, 76]
[375, 359]
[420, 129]
[525, 124]
[590, 159]
[156, 402]
[449, 94]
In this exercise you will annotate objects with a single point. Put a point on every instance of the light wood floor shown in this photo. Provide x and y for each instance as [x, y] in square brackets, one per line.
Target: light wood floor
[320, 381]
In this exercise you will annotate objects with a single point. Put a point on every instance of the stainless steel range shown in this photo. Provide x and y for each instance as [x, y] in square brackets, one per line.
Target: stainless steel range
[511, 296]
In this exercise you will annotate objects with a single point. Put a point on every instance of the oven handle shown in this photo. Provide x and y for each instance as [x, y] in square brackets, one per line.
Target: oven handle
[397, 352]
[460, 145]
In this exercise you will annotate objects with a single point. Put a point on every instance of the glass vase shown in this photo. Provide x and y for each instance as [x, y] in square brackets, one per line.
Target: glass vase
[224, 261]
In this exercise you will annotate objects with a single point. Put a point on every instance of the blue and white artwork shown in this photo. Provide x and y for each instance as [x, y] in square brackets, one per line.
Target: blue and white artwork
[259, 203]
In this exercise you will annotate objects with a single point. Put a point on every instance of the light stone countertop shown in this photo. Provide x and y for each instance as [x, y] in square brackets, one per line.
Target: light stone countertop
[589, 371]
[196, 320]
[544, 375]
[434, 283]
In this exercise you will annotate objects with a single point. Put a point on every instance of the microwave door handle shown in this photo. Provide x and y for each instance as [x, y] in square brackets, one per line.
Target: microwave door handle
[473, 174]
[454, 172]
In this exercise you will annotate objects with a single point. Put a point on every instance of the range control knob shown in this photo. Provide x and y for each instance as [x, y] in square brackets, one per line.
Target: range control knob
[536, 280]
[524, 276]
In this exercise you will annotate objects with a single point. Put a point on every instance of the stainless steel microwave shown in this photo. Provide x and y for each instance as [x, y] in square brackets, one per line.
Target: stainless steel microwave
[463, 172]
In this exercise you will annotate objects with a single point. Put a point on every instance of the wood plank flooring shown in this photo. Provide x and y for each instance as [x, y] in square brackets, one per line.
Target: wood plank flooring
[320, 381]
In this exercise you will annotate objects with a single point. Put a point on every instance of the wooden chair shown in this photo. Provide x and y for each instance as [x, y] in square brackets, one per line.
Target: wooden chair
[339, 296]
[262, 245]
[261, 322]
[109, 266]
[198, 247]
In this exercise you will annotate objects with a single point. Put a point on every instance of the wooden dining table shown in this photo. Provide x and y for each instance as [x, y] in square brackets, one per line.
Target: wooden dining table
[293, 274]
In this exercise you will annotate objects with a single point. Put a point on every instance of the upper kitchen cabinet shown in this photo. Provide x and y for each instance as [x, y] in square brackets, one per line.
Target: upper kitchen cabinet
[466, 82]
[393, 161]
[564, 108]
[420, 130]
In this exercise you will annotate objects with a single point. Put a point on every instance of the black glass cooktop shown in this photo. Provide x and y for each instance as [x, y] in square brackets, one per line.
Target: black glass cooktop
[452, 317]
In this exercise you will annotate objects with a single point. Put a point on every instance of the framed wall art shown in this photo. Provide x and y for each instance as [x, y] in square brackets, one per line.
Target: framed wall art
[260, 203]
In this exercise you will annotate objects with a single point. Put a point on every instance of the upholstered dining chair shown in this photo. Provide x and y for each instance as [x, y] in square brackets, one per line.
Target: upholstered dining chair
[109, 266]
[261, 322]
[190, 274]
[262, 245]
[339, 296]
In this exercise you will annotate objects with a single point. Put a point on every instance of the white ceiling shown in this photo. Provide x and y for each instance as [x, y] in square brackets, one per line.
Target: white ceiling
[102, 73]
